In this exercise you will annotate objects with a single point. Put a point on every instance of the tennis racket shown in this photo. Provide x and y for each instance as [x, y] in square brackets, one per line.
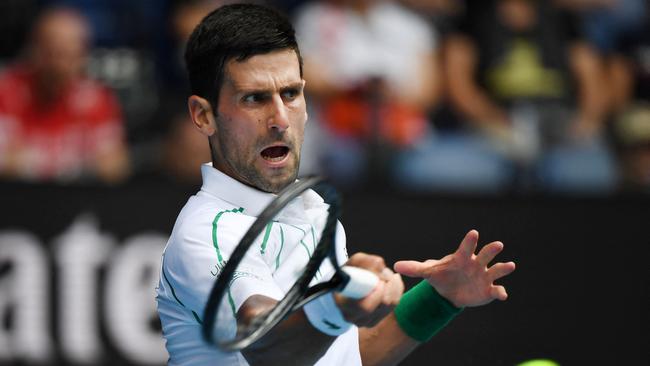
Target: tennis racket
[351, 282]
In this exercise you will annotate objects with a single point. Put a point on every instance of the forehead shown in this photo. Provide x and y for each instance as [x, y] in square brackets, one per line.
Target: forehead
[64, 25]
[270, 70]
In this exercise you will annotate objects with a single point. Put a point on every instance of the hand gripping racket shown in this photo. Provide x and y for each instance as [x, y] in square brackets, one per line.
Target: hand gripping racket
[351, 282]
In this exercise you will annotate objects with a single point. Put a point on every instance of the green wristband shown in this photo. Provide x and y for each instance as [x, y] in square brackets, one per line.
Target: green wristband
[422, 312]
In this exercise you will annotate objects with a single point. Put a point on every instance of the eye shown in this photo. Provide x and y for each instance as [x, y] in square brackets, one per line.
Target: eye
[291, 93]
[255, 98]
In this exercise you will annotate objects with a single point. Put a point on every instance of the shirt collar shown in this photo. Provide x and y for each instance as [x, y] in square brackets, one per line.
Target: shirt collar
[252, 200]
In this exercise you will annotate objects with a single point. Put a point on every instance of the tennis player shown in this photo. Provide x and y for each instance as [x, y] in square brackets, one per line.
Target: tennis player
[245, 72]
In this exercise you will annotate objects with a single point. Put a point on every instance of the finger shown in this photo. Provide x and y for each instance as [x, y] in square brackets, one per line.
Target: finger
[374, 299]
[394, 290]
[371, 262]
[468, 246]
[499, 292]
[386, 274]
[411, 268]
[488, 252]
[500, 270]
[361, 311]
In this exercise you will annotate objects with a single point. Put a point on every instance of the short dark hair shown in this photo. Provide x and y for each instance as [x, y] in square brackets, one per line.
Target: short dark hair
[234, 31]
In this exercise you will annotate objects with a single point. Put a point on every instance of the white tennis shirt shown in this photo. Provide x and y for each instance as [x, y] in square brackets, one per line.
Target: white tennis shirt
[206, 232]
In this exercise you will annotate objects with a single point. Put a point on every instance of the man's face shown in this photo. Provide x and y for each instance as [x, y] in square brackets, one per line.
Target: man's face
[260, 120]
[60, 47]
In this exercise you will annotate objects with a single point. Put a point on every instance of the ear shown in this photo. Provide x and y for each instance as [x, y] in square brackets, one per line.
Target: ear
[303, 90]
[202, 114]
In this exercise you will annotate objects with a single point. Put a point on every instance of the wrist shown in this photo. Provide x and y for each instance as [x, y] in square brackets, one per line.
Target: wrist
[422, 312]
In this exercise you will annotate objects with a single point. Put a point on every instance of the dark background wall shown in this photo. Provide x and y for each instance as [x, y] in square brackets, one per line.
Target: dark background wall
[580, 294]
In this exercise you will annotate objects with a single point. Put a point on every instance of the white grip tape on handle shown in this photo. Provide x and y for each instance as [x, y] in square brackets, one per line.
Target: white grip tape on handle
[361, 283]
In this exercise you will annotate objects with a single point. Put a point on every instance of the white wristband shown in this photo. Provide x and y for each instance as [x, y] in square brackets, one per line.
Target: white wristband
[325, 315]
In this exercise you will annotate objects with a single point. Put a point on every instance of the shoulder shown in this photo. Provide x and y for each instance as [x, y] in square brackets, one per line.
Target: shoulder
[203, 221]
[15, 84]
[204, 235]
[397, 13]
[404, 21]
[319, 19]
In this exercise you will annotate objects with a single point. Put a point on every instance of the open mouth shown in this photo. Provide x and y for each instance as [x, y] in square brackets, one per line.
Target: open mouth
[275, 153]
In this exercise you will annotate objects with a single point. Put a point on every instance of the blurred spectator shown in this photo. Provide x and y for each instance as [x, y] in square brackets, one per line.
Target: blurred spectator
[184, 149]
[183, 17]
[134, 53]
[372, 71]
[120, 23]
[55, 123]
[630, 91]
[519, 73]
[153, 149]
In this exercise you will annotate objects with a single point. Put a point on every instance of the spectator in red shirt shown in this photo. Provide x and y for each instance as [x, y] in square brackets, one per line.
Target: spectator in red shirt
[56, 124]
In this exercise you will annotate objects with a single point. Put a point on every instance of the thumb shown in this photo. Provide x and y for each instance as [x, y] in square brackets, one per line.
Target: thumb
[411, 268]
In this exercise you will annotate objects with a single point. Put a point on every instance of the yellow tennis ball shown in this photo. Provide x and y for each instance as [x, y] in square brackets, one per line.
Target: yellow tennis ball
[539, 362]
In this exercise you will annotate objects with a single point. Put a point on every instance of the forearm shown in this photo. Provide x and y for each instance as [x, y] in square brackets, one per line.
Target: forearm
[426, 91]
[386, 343]
[319, 80]
[464, 93]
[478, 108]
[621, 82]
[593, 99]
[293, 341]
[421, 313]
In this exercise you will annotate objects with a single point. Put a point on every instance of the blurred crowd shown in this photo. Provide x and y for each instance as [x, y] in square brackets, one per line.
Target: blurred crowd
[424, 95]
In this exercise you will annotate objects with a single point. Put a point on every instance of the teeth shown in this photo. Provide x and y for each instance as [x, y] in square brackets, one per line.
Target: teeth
[279, 158]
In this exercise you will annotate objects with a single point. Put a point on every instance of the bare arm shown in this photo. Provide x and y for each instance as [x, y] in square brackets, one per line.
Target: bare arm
[423, 94]
[592, 93]
[296, 341]
[620, 80]
[319, 84]
[465, 94]
[427, 92]
[293, 341]
[463, 278]
[112, 163]
[386, 343]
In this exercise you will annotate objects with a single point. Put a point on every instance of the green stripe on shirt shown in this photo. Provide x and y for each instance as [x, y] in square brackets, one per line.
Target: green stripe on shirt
[170, 287]
[266, 237]
[215, 242]
[277, 258]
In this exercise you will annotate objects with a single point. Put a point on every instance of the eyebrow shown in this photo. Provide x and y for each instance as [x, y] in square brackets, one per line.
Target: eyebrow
[292, 86]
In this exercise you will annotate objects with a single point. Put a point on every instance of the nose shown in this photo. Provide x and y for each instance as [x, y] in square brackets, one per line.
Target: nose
[279, 118]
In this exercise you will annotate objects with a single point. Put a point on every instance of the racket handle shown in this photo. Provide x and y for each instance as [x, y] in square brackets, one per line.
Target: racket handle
[361, 283]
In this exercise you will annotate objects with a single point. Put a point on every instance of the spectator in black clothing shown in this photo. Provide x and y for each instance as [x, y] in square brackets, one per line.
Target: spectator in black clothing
[519, 73]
